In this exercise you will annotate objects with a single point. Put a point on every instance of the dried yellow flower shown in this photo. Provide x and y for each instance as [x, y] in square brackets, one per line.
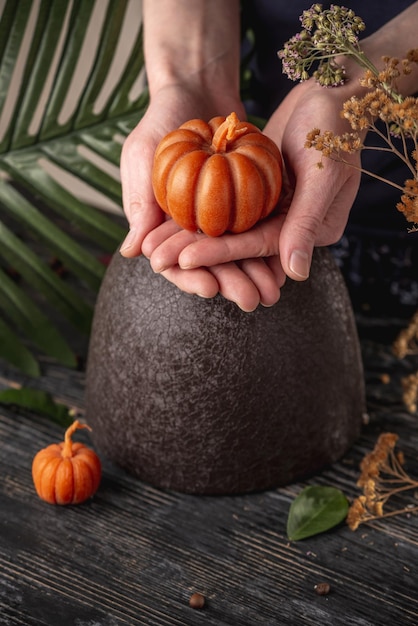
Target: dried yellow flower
[410, 392]
[382, 476]
[356, 513]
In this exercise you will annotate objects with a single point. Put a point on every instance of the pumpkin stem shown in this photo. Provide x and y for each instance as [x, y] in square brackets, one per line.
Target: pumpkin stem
[67, 450]
[227, 131]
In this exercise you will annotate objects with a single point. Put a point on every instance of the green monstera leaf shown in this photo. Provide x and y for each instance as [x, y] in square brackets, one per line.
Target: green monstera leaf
[65, 109]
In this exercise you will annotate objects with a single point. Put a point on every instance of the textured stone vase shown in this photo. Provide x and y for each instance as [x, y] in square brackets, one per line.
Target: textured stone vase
[196, 396]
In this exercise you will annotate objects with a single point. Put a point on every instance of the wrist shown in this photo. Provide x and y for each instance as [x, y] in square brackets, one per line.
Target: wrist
[186, 101]
[395, 40]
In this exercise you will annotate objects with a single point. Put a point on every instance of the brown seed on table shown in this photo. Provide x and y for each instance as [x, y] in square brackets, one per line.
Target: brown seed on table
[322, 589]
[197, 601]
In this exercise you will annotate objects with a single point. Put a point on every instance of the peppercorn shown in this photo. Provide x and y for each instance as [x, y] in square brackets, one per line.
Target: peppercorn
[197, 601]
[322, 589]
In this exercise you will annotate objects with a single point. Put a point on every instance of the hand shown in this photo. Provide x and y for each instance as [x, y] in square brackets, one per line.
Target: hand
[169, 108]
[322, 198]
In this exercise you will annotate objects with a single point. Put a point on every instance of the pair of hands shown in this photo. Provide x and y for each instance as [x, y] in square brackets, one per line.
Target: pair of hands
[249, 268]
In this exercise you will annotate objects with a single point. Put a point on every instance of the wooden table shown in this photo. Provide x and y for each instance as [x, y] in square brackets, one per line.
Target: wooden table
[135, 554]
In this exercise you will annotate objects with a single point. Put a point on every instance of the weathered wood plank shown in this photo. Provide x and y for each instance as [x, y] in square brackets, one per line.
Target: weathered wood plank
[134, 554]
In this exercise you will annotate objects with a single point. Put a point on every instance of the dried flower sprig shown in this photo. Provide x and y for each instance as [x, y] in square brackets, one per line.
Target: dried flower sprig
[326, 34]
[382, 477]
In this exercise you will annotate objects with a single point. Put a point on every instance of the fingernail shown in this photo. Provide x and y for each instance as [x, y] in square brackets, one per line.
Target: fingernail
[129, 239]
[299, 263]
[184, 262]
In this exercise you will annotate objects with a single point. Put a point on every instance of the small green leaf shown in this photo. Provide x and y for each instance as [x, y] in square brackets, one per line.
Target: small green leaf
[315, 510]
[39, 402]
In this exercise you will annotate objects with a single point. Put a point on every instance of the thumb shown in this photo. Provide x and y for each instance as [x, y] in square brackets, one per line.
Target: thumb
[139, 204]
[297, 240]
[144, 216]
[317, 216]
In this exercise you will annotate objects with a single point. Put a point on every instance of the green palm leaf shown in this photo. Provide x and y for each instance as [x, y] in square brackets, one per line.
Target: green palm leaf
[15, 352]
[19, 307]
[61, 139]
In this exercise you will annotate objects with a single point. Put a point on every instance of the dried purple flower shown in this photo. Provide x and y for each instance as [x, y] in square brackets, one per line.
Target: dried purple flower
[325, 35]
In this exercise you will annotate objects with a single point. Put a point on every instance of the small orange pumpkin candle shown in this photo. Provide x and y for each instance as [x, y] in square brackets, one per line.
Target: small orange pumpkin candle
[224, 175]
[66, 472]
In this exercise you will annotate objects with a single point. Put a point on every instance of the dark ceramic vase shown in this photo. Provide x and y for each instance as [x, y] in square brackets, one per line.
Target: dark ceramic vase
[196, 396]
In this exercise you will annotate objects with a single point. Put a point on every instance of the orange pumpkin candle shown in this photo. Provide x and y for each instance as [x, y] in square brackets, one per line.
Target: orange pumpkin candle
[66, 472]
[224, 175]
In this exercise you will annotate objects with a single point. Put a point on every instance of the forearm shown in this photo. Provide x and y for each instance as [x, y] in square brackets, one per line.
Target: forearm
[395, 39]
[193, 42]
